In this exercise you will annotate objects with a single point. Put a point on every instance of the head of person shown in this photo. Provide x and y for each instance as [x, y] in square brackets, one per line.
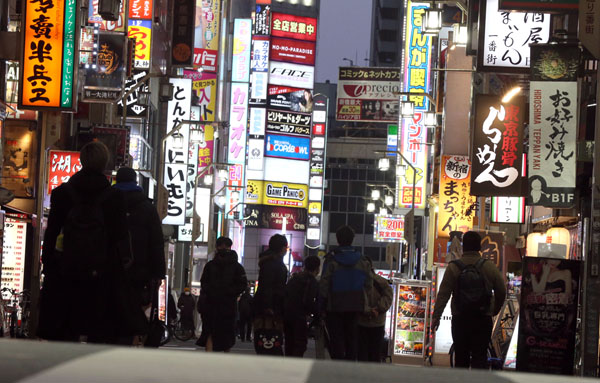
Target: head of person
[94, 156]
[471, 241]
[278, 244]
[224, 243]
[312, 263]
[345, 235]
[186, 291]
[126, 174]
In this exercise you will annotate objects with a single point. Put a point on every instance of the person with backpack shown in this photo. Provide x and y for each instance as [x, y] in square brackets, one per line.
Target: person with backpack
[148, 267]
[223, 280]
[86, 253]
[300, 302]
[371, 324]
[345, 281]
[478, 292]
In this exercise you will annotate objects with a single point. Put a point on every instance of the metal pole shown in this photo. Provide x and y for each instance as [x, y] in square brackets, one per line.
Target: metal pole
[411, 261]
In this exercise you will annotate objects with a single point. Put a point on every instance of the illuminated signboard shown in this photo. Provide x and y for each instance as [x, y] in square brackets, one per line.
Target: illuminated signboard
[48, 64]
[141, 31]
[140, 9]
[294, 27]
[206, 37]
[242, 41]
[294, 75]
[13, 255]
[63, 165]
[295, 51]
[204, 86]
[456, 206]
[284, 194]
[508, 209]
[290, 147]
[260, 53]
[388, 228]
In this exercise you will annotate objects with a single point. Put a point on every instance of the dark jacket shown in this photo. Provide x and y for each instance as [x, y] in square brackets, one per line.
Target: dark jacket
[345, 279]
[380, 298]
[449, 283]
[223, 280]
[146, 234]
[186, 304]
[301, 296]
[272, 275]
[245, 305]
[69, 307]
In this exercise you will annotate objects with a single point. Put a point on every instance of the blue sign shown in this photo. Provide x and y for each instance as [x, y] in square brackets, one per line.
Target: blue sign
[292, 147]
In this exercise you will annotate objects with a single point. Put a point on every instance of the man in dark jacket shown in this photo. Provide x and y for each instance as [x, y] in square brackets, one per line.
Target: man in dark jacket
[345, 281]
[186, 304]
[272, 276]
[75, 304]
[245, 314]
[223, 280]
[471, 332]
[300, 302]
[147, 244]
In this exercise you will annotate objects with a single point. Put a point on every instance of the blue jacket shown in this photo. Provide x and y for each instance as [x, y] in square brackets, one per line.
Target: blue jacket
[345, 279]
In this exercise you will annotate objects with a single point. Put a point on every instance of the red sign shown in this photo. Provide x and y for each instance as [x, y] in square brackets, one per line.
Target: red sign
[278, 89]
[295, 51]
[294, 27]
[318, 129]
[63, 165]
[140, 9]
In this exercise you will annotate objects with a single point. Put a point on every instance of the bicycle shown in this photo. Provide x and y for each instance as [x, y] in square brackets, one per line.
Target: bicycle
[175, 329]
[15, 313]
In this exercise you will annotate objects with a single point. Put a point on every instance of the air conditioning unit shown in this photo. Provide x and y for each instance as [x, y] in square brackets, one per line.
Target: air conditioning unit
[109, 9]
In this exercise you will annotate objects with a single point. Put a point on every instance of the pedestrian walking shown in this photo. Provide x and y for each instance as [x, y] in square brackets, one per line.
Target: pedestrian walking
[186, 305]
[344, 283]
[148, 267]
[86, 252]
[245, 316]
[269, 298]
[478, 292]
[300, 303]
[371, 324]
[223, 280]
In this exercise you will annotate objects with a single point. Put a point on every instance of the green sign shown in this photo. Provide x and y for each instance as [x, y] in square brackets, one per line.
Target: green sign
[69, 54]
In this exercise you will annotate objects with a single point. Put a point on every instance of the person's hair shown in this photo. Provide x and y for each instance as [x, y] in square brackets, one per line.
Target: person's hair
[471, 241]
[94, 155]
[224, 242]
[277, 243]
[345, 235]
[126, 174]
[312, 263]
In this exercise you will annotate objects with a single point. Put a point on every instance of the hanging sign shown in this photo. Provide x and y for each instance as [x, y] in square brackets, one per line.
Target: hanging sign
[140, 9]
[204, 86]
[508, 209]
[589, 26]
[134, 107]
[48, 64]
[141, 31]
[456, 205]
[104, 82]
[388, 228]
[63, 165]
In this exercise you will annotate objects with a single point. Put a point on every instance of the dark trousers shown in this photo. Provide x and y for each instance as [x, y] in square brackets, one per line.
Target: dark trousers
[343, 335]
[296, 336]
[245, 327]
[370, 340]
[471, 335]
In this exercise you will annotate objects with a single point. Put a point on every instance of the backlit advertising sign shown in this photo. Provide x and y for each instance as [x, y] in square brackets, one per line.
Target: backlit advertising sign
[258, 119]
[206, 34]
[238, 117]
[295, 51]
[260, 81]
[204, 87]
[49, 61]
[260, 54]
[285, 194]
[289, 147]
[294, 75]
[508, 209]
[242, 42]
[140, 9]
[294, 27]
[256, 152]
[389, 228]
[141, 31]
[291, 99]
[14, 244]
[262, 20]
[63, 165]
[456, 205]
[285, 170]
[288, 123]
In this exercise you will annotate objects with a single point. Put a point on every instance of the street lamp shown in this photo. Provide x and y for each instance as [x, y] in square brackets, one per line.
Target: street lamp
[384, 164]
[371, 207]
[375, 194]
[223, 174]
[430, 119]
[388, 200]
[460, 35]
[432, 21]
[407, 109]
[383, 211]
[197, 135]
[400, 170]
[208, 179]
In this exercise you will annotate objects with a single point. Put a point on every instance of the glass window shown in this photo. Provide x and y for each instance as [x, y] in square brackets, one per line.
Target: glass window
[334, 203]
[353, 174]
[362, 174]
[335, 173]
[352, 204]
[344, 174]
[369, 220]
[339, 188]
[336, 220]
[343, 204]
[356, 221]
[372, 174]
[357, 188]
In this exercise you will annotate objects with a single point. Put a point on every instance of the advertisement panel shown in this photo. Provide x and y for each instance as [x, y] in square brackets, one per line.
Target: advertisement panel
[548, 315]
[286, 170]
[242, 44]
[206, 34]
[260, 82]
[63, 165]
[290, 99]
[294, 27]
[13, 255]
[12, 94]
[508, 209]
[258, 120]
[106, 25]
[289, 147]
[288, 123]
[294, 75]
[238, 117]
[456, 205]
[368, 94]
[105, 82]
[417, 62]
[20, 153]
[262, 20]
[294, 51]
[497, 151]
[260, 54]
[504, 37]
[48, 64]
[206, 148]
[204, 86]
[183, 34]
[256, 152]
[411, 319]
[134, 107]
[140, 9]
[388, 228]
[285, 194]
[413, 137]
[141, 31]
[254, 191]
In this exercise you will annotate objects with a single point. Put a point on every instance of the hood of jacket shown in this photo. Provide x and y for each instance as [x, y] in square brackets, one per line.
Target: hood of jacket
[88, 181]
[133, 194]
[128, 186]
[225, 256]
[346, 255]
[269, 256]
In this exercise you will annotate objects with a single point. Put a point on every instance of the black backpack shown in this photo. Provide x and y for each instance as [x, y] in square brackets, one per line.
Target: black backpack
[473, 292]
[85, 242]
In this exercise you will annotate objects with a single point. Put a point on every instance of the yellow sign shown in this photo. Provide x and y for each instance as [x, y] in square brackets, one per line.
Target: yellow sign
[141, 31]
[314, 208]
[254, 191]
[284, 194]
[457, 207]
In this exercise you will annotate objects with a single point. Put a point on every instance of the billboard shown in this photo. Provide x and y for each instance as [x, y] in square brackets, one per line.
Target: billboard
[294, 75]
[260, 54]
[63, 165]
[288, 147]
[48, 64]
[294, 51]
[104, 82]
[141, 31]
[368, 94]
[388, 228]
[284, 194]
[206, 34]
[457, 207]
[288, 123]
[140, 9]
[294, 27]
[242, 44]
[204, 93]
[290, 99]
[285, 170]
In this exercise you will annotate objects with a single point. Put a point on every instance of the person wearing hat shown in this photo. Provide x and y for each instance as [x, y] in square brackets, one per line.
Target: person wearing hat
[147, 244]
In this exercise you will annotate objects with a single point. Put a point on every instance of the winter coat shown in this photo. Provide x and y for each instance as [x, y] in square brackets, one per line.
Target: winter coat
[245, 305]
[272, 275]
[301, 296]
[70, 307]
[186, 304]
[449, 284]
[345, 279]
[380, 298]
[222, 282]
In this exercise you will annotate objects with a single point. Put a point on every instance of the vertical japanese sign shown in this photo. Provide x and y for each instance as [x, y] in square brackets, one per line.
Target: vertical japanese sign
[553, 126]
[206, 34]
[176, 158]
[548, 315]
[497, 151]
[417, 65]
[589, 25]
[505, 36]
[49, 52]
[104, 82]
[242, 44]
[456, 207]
[206, 148]
[13, 255]
[508, 209]
[140, 9]
[236, 148]
[63, 165]
[204, 86]
[262, 20]
[141, 31]
[183, 32]
[192, 167]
